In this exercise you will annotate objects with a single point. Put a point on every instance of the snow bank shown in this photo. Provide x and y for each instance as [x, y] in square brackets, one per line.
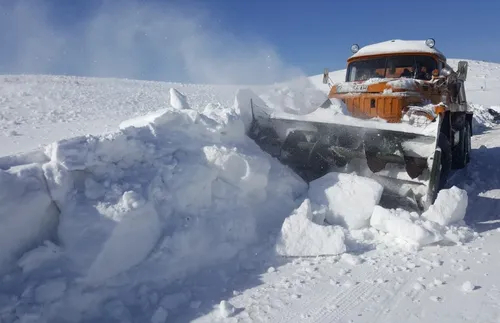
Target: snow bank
[171, 192]
[349, 198]
[304, 235]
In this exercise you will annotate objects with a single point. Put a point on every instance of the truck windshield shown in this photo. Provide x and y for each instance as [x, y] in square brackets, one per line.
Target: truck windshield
[412, 66]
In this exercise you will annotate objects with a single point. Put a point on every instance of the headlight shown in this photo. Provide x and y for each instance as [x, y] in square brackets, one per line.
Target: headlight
[355, 48]
[430, 42]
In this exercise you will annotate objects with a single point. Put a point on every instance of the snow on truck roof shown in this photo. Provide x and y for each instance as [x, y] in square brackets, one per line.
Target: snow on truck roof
[397, 46]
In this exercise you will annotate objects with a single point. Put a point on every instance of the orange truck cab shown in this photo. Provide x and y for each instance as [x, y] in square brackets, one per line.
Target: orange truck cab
[383, 80]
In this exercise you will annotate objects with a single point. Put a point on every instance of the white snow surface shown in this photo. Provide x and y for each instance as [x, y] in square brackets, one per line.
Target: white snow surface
[129, 201]
[396, 46]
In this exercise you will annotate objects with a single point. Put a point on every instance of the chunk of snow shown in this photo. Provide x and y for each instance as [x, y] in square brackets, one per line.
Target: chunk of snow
[418, 286]
[349, 198]
[228, 122]
[300, 236]
[344, 271]
[460, 234]
[450, 206]
[351, 259]
[250, 174]
[468, 287]
[226, 309]
[178, 100]
[438, 282]
[400, 223]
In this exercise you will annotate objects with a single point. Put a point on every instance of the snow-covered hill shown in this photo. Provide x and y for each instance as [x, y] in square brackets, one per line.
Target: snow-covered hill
[173, 210]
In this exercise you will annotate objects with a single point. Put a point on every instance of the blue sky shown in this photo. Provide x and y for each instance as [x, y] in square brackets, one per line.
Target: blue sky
[225, 41]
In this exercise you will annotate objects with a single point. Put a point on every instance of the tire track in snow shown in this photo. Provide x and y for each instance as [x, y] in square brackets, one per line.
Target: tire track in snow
[319, 306]
[385, 309]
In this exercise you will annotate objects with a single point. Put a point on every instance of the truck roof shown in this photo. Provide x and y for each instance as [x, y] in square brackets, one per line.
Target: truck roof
[397, 46]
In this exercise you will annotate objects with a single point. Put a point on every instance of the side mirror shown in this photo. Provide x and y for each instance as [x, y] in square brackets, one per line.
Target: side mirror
[326, 76]
[462, 70]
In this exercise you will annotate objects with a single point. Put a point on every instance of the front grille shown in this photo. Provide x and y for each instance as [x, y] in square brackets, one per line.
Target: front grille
[368, 106]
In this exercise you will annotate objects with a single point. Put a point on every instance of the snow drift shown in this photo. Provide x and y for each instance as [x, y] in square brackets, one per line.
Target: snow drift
[175, 190]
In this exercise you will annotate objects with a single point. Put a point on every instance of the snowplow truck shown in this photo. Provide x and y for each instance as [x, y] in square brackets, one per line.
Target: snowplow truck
[406, 122]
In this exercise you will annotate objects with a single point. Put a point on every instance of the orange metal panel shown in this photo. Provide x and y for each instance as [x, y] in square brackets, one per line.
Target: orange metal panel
[388, 108]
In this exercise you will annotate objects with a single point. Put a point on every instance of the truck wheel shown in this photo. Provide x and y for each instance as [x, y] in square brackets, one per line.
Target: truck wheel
[461, 154]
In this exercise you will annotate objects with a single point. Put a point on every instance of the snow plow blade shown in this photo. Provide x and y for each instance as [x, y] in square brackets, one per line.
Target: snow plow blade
[407, 164]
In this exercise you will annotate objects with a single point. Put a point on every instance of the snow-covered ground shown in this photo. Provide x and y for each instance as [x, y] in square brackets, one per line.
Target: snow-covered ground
[173, 215]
